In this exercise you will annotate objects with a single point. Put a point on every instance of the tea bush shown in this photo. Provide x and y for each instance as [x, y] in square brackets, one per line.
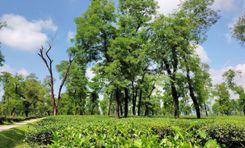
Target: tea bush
[100, 131]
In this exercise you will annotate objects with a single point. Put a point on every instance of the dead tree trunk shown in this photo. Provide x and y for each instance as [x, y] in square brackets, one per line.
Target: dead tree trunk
[44, 54]
[48, 62]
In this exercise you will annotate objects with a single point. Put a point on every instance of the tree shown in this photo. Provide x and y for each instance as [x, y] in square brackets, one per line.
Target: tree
[34, 95]
[175, 38]
[115, 42]
[23, 95]
[76, 84]
[223, 103]
[44, 55]
[128, 45]
[166, 53]
[238, 30]
[95, 30]
[199, 18]
[230, 76]
[11, 101]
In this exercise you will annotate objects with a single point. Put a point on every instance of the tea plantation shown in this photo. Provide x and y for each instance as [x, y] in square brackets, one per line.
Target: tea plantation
[101, 131]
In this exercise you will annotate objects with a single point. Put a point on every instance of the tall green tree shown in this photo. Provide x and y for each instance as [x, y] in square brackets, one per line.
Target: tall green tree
[223, 104]
[114, 41]
[129, 44]
[199, 18]
[76, 84]
[95, 30]
[230, 76]
[129, 48]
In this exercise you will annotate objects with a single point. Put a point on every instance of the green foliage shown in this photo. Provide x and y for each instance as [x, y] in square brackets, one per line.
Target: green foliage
[74, 100]
[224, 104]
[238, 30]
[23, 96]
[100, 131]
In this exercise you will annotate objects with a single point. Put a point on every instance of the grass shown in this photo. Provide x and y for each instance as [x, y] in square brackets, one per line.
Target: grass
[14, 137]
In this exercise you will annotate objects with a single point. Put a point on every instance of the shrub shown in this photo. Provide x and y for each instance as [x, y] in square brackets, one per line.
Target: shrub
[100, 131]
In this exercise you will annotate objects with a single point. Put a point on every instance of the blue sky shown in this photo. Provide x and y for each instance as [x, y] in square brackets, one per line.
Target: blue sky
[43, 20]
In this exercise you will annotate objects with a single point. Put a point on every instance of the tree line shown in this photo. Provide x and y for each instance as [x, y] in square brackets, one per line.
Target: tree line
[145, 63]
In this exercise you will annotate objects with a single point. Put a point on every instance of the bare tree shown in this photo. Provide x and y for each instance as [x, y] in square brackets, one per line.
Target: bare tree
[44, 54]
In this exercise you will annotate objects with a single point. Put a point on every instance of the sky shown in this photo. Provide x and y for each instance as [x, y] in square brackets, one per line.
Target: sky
[32, 23]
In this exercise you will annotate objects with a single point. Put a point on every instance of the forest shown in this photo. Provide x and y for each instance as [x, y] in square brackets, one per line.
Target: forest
[149, 86]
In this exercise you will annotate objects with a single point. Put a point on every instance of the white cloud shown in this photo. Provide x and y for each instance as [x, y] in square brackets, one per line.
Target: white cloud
[202, 54]
[168, 6]
[70, 35]
[7, 68]
[89, 73]
[47, 24]
[23, 72]
[23, 34]
[216, 74]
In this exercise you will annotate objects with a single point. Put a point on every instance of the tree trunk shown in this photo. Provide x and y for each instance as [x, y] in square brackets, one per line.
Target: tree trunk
[206, 110]
[175, 99]
[192, 95]
[126, 102]
[55, 110]
[44, 54]
[140, 101]
[121, 109]
[174, 92]
[147, 103]
[117, 103]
